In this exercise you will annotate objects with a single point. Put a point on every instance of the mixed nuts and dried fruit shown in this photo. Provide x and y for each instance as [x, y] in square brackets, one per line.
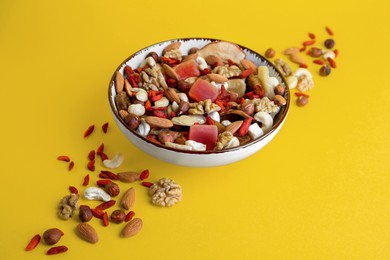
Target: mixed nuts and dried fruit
[165, 192]
[211, 98]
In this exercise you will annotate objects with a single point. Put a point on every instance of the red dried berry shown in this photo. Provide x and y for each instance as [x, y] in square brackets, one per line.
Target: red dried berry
[71, 165]
[144, 175]
[57, 250]
[73, 189]
[105, 127]
[63, 158]
[86, 180]
[33, 242]
[89, 130]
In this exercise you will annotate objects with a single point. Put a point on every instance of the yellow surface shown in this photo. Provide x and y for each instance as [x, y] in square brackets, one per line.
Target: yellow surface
[319, 190]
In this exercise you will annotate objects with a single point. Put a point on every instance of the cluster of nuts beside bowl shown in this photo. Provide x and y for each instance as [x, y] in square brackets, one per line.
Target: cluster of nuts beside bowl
[211, 98]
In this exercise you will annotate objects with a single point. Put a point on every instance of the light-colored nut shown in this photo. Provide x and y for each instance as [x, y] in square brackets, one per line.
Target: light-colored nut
[201, 63]
[158, 122]
[87, 232]
[163, 102]
[143, 128]
[265, 119]
[128, 199]
[132, 228]
[196, 146]
[329, 54]
[165, 192]
[94, 193]
[292, 82]
[215, 116]
[141, 94]
[179, 146]
[234, 142]
[115, 162]
[67, 206]
[183, 97]
[237, 86]
[183, 120]
[136, 109]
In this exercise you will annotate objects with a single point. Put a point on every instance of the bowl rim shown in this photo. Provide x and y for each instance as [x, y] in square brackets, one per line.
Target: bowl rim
[281, 119]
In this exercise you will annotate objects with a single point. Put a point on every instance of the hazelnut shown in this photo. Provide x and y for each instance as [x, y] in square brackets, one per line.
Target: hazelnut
[118, 216]
[279, 90]
[279, 100]
[112, 189]
[325, 70]
[132, 121]
[154, 55]
[302, 101]
[329, 43]
[183, 86]
[52, 236]
[269, 53]
[193, 50]
[85, 213]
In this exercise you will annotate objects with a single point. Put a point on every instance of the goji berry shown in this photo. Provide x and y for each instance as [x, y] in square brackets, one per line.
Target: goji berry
[105, 127]
[103, 156]
[105, 205]
[205, 71]
[110, 175]
[91, 155]
[329, 31]
[63, 158]
[332, 62]
[156, 97]
[299, 94]
[147, 184]
[160, 113]
[73, 189]
[312, 36]
[128, 71]
[209, 121]
[100, 149]
[97, 213]
[33, 242]
[91, 165]
[103, 183]
[144, 175]
[129, 216]
[245, 126]
[86, 180]
[89, 130]
[57, 250]
[105, 219]
[246, 73]
[71, 165]
[319, 62]
[308, 43]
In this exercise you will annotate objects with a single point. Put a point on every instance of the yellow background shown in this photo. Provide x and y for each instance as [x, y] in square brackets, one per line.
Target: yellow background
[319, 190]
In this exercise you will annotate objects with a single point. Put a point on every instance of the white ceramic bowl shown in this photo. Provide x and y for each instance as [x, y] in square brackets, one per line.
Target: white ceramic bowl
[196, 158]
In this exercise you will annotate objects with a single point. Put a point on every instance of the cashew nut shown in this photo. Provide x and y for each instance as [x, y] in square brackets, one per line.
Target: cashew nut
[143, 128]
[183, 97]
[179, 146]
[302, 72]
[136, 109]
[329, 54]
[234, 142]
[115, 162]
[265, 119]
[215, 116]
[268, 82]
[94, 193]
[163, 102]
[141, 95]
[196, 146]
[292, 82]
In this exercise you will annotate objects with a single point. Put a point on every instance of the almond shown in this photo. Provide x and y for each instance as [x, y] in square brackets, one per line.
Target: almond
[128, 176]
[119, 82]
[128, 198]
[170, 72]
[234, 126]
[248, 64]
[158, 122]
[217, 78]
[172, 95]
[87, 232]
[173, 46]
[132, 228]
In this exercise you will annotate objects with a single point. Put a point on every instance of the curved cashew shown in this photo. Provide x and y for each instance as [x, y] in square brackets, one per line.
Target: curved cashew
[215, 116]
[163, 102]
[302, 72]
[179, 146]
[268, 82]
[115, 162]
[234, 142]
[143, 128]
[292, 81]
[265, 119]
[196, 146]
[94, 193]
[329, 54]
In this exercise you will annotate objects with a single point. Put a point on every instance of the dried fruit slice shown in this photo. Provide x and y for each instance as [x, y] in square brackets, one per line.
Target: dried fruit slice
[223, 50]
[202, 90]
[205, 134]
[187, 69]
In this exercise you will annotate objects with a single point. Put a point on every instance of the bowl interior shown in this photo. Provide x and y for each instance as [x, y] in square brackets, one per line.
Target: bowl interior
[138, 57]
